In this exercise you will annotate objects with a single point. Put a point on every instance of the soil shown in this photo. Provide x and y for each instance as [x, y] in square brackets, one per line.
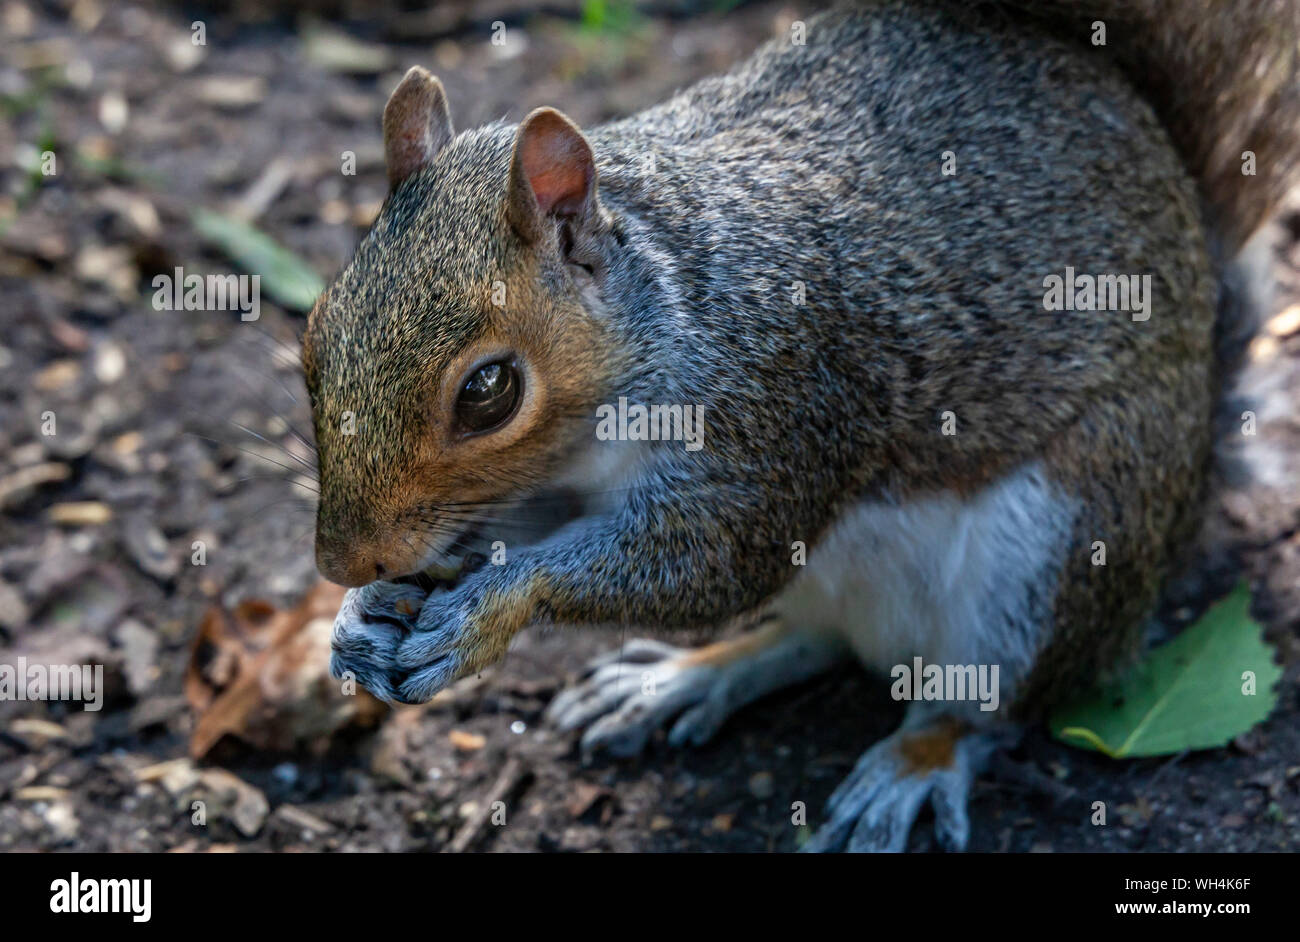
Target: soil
[176, 427]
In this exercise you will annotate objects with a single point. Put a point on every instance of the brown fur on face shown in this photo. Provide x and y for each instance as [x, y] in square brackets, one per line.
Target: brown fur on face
[394, 351]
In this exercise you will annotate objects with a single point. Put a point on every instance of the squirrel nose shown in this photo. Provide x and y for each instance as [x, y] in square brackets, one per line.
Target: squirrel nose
[350, 569]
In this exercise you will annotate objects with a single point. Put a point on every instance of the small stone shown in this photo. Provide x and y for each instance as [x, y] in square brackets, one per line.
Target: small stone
[139, 655]
[336, 51]
[1286, 323]
[335, 212]
[110, 363]
[240, 803]
[111, 266]
[18, 20]
[231, 92]
[128, 443]
[113, 112]
[13, 610]
[182, 53]
[302, 820]
[148, 549]
[60, 818]
[762, 785]
[1263, 348]
[286, 773]
[58, 375]
[156, 711]
[69, 337]
[365, 214]
[465, 741]
[175, 776]
[579, 838]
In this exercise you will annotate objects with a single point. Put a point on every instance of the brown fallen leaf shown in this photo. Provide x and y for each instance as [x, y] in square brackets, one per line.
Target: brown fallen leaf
[585, 796]
[261, 674]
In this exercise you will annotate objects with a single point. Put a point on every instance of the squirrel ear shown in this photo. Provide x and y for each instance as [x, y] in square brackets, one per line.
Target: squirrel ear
[552, 172]
[417, 124]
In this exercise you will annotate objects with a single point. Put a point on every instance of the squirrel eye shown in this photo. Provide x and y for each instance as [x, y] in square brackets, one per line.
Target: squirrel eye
[489, 397]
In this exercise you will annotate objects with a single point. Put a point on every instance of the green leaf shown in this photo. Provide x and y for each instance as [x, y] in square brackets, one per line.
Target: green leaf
[288, 279]
[1187, 694]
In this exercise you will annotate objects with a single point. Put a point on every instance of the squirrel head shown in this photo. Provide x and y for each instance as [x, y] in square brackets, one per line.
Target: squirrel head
[457, 360]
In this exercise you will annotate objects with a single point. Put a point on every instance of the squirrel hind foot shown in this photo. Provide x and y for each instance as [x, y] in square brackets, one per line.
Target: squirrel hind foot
[874, 809]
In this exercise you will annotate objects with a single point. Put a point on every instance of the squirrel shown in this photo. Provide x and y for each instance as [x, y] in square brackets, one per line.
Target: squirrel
[947, 288]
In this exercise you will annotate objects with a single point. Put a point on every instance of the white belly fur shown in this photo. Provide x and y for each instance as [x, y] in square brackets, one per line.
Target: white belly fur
[951, 580]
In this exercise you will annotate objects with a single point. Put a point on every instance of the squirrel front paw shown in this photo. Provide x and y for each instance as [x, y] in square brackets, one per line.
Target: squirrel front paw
[404, 645]
[370, 625]
[439, 648]
[398, 642]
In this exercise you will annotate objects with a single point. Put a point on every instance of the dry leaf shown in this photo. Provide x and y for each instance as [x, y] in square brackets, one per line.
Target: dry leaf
[585, 796]
[261, 674]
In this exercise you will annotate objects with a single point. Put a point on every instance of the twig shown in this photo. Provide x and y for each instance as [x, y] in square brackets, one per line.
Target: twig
[512, 776]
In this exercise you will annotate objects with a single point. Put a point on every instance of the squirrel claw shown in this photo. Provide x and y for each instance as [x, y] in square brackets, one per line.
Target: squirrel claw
[421, 685]
[370, 625]
[622, 704]
[624, 696]
[873, 810]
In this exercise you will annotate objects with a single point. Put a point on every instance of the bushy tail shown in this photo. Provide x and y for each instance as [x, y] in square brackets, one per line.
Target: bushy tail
[1224, 76]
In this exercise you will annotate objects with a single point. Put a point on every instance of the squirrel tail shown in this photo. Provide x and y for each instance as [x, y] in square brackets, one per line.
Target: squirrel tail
[1224, 79]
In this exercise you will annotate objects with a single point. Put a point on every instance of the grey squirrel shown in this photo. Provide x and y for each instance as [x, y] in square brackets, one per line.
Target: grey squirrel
[842, 252]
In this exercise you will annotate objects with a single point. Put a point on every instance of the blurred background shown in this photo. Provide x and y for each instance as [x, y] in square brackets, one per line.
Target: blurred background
[164, 529]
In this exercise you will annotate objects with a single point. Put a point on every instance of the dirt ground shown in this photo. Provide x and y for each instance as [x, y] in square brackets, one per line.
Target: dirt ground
[176, 427]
